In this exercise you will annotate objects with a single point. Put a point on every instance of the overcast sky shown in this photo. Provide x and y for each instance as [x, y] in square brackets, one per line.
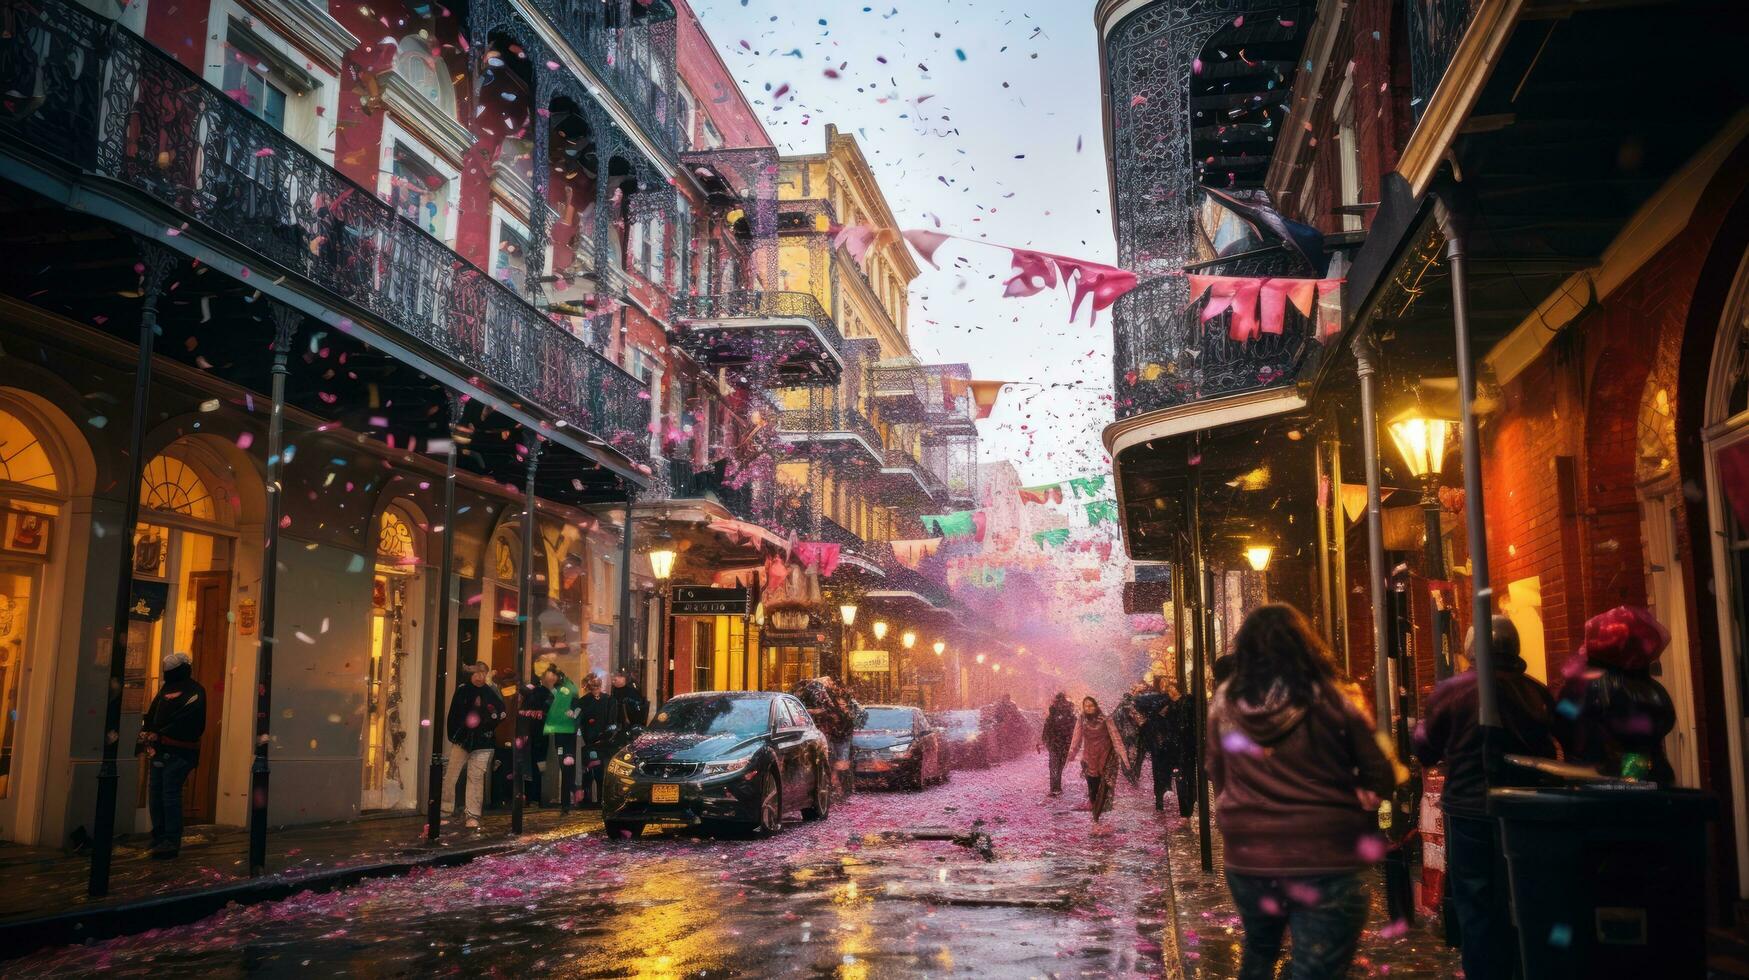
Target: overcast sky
[984, 116]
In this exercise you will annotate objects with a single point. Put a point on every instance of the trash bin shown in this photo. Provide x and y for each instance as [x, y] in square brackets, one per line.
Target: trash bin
[1607, 880]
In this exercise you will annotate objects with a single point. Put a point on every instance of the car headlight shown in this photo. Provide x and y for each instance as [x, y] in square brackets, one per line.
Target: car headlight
[725, 767]
[619, 765]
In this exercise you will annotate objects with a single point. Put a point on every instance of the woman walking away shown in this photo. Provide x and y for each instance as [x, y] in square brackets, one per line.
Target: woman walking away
[1059, 731]
[1298, 772]
[1104, 757]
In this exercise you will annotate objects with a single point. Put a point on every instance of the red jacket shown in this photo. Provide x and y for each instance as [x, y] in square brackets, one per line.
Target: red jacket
[1287, 781]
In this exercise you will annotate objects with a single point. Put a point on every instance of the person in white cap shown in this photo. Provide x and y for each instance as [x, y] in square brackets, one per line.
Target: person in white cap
[170, 740]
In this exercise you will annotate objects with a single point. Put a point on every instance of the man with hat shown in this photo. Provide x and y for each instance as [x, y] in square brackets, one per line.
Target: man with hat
[170, 740]
[474, 713]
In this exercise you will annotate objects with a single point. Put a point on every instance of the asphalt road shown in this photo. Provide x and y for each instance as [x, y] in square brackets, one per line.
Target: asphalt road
[854, 896]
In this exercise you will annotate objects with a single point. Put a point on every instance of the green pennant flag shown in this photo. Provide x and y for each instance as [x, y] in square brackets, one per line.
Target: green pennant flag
[1087, 487]
[959, 524]
[1100, 511]
[1054, 538]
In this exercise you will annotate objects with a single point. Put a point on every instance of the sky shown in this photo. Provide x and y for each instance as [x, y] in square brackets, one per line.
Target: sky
[984, 117]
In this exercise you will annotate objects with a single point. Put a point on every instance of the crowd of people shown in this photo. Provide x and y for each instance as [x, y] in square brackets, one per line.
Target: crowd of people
[1298, 769]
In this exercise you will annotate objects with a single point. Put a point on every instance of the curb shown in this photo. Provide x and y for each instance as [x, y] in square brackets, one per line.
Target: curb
[75, 927]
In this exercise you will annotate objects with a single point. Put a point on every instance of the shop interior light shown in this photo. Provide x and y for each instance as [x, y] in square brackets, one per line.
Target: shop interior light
[847, 613]
[1258, 556]
[880, 630]
[1422, 442]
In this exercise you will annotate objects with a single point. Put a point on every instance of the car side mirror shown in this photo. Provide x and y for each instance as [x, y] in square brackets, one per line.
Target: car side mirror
[635, 731]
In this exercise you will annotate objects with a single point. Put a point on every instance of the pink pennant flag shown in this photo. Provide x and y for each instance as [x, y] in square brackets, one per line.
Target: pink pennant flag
[1105, 283]
[1034, 273]
[925, 242]
[1273, 298]
[1244, 322]
[1329, 309]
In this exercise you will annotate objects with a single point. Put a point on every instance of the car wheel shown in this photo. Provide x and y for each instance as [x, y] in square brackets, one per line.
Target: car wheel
[822, 796]
[770, 805]
[622, 828]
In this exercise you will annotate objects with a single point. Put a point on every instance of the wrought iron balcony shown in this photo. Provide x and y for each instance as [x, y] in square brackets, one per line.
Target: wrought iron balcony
[93, 95]
[904, 468]
[631, 48]
[1435, 27]
[899, 390]
[781, 339]
[831, 427]
[931, 587]
[1166, 356]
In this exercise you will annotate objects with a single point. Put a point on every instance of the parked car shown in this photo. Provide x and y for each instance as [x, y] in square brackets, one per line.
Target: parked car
[897, 746]
[720, 757]
[963, 732]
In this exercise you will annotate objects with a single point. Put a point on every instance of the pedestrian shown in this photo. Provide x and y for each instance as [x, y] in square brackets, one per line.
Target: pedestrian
[1298, 772]
[630, 708]
[1162, 739]
[1611, 713]
[1102, 754]
[474, 713]
[1129, 726]
[598, 731]
[533, 702]
[1058, 732]
[1450, 734]
[561, 726]
[169, 739]
[831, 711]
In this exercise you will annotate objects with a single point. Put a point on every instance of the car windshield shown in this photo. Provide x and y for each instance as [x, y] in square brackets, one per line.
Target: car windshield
[889, 719]
[714, 716]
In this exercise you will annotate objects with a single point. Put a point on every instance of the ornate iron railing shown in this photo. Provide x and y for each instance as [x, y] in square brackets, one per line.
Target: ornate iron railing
[751, 304]
[633, 55]
[897, 458]
[898, 577]
[830, 419]
[101, 98]
[1435, 27]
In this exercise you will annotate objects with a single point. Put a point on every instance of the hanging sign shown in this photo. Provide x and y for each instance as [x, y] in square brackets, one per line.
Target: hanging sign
[868, 661]
[147, 600]
[246, 617]
[696, 600]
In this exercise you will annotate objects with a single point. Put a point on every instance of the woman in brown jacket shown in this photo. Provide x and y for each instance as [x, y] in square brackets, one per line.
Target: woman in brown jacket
[1298, 772]
[1097, 736]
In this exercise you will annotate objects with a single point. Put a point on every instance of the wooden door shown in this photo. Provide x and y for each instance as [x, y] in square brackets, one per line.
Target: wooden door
[504, 658]
[211, 592]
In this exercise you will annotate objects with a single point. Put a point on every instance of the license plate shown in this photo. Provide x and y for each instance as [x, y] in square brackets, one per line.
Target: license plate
[665, 793]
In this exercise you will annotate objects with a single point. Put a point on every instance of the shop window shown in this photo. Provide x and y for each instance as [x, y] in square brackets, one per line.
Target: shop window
[425, 72]
[170, 484]
[247, 78]
[23, 459]
[510, 263]
[27, 529]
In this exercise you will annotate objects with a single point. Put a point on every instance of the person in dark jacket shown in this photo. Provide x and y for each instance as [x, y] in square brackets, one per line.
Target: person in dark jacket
[630, 708]
[1611, 712]
[474, 713]
[1298, 772]
[1059, 730]
[599, 721]
[1450, 734]
[170, 740]
[533, 703]
[1162, 741]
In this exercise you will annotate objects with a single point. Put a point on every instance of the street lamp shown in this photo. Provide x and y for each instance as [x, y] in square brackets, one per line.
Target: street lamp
[908, 638]
[940, 647]
[880, 630]
[661, 555]
[847, 613]
[1258, 556]
[980, 658]
[846, 619]
[662, 563]
[1422, 441]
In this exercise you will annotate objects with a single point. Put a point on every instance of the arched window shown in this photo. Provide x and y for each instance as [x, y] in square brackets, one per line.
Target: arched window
[23, 458]
[396, 544]
[170, 484]
[425, 72]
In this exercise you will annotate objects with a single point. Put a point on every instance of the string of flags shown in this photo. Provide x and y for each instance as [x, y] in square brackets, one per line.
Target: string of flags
[1259, 304]
[959, 524]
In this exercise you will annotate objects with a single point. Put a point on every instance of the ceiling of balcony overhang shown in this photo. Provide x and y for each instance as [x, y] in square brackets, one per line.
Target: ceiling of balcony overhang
[1240, 91]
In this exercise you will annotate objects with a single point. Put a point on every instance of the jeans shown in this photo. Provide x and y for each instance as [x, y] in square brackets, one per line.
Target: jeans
[1059, 759]
[565, 747]
[1325, 912]
[1476, 869]
[170, 769]
[476, 762]
[594, 763]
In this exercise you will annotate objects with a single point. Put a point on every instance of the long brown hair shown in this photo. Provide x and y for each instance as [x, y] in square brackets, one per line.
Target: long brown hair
[1277, 645]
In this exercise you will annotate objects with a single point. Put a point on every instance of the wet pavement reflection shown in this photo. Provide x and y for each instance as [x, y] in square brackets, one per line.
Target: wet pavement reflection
[857, 895]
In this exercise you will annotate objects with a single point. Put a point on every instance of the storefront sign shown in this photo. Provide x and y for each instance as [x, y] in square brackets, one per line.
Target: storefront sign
[868, 661]
[694, 600]
[147, 601]
[26, 533]
[246, 617]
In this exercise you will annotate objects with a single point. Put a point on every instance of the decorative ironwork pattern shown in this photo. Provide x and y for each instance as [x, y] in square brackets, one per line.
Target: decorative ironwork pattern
[166, 132]
[764, 304]
[1435, 27]
[1149, 57]
[900, 459]
[752, 175]
[812, 421]
[630, 45]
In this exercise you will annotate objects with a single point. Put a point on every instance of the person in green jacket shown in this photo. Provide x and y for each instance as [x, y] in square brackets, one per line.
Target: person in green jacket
[561, 724]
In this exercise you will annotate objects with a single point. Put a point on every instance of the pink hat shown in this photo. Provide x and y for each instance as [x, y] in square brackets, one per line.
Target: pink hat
[1628, 637]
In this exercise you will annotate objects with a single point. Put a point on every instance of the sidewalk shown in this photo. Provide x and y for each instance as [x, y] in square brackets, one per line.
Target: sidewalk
[45, 902]
[1208, 934]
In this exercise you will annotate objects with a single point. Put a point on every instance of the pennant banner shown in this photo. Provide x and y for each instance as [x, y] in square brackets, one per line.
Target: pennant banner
[1054, 538]
[959, 524]
[1046, 493]
[820, 555]
[1087, 487]
[1259, 305]
[1100, 511]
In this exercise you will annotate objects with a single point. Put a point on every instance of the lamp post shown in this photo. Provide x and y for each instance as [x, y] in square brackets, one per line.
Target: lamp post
[846, 619]
[1422, 443]
[661, 555]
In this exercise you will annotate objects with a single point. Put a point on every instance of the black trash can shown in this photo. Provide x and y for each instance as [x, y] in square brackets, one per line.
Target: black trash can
[1607, 881]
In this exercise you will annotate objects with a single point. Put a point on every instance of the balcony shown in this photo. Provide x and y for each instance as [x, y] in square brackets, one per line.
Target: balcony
[898, 390]
[632, 51]
[103, 101]
[903, 470]
[778, 339]
[1435, 28]
[832, 429]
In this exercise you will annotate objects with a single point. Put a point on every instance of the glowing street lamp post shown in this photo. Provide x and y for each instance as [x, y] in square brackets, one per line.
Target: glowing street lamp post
[1422, 441]
[662, 566]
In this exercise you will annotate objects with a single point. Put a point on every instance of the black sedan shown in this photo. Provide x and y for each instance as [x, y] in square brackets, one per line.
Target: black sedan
[898, 746]
[963, 733]
[735, 757]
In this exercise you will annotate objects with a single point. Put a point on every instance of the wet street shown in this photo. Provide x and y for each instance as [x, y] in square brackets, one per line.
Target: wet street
[854, 896]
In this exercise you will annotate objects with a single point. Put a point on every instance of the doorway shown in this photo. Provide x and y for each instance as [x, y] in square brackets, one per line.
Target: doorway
[1662, 513]
[394, 681]
[210, 600]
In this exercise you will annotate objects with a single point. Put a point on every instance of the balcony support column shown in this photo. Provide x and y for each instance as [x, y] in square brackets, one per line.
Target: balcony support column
[445, 598]
[159, 262]
[625, 594]
[526, 637]
[540, 172]
[1199, 670]
[1365, 360]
